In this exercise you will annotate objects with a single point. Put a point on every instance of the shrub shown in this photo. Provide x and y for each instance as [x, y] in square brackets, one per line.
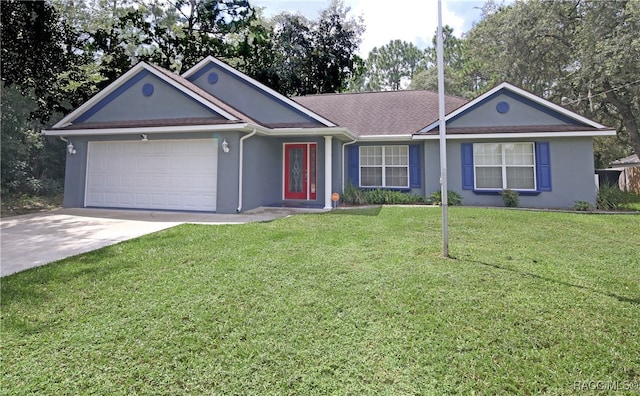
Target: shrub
[453, 198]
[391, 197]
[354, 196]
[582, 206]
[510, 198]
[611, 197]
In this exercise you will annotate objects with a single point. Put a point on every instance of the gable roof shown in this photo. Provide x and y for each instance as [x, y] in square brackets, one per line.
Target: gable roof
[380, 114]
[115, 89]
[201, 66]
[573, 125]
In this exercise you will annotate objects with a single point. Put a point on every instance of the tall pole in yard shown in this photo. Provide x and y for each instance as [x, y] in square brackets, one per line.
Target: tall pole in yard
[443, 137]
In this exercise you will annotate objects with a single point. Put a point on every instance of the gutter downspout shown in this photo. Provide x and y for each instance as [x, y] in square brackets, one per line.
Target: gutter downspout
[240, 176]
[342, 178]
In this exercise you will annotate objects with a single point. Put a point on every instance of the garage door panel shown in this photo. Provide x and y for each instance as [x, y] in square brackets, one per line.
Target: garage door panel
[153, 174]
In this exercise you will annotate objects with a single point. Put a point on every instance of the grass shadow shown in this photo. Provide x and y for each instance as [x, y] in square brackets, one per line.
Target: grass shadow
[563, 283]
[358, 211]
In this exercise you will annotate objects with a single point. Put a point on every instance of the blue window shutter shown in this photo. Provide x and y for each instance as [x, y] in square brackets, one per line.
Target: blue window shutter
[467, 166]
[353, 163]
[543, 166]
[414, 166]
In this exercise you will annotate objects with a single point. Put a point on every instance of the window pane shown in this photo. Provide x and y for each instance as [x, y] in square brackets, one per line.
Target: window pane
[489, 178]
[396, 155]
[518, 153]
[520, 178]
[371, 155]
[396, 177]
[487, 154]
[370, 177]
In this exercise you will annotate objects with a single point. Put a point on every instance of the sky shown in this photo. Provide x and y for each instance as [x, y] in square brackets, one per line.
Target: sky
[414, 21]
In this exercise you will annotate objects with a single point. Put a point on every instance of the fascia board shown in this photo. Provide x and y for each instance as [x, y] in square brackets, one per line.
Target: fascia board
[474, 136]
[385, 138]
[260, 86]
[148, 130]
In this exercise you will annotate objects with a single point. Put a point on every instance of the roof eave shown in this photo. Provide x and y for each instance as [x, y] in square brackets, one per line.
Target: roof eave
[472, 136]
[241, 127]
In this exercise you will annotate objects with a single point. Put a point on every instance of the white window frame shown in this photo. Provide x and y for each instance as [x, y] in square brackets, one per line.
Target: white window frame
[504, 167]
[384, 167]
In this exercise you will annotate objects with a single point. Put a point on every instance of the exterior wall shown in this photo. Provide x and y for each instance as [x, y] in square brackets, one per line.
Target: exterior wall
[227, 196]
[129, 103]
[572, 174]
[521, 112]
[245, 97]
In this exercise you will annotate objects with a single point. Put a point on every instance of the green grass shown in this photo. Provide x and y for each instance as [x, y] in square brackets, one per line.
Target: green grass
[349, 302]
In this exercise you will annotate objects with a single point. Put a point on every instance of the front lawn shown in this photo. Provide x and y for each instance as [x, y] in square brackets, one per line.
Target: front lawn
[348, 302]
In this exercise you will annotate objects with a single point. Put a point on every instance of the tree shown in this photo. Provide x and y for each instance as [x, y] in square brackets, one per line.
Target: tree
[583, 54]
[312, 57]
[393, 66]
[454, 62]
[34, 59]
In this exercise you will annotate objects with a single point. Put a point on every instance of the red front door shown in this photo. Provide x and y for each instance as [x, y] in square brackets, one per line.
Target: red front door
[300, 171]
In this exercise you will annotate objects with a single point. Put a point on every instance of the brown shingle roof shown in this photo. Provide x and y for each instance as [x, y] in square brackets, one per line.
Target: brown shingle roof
[380, 113]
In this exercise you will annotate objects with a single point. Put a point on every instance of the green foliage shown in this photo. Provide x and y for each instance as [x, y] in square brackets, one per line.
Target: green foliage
[590, 65]
[355, 196]
[335, 304]
[582, 206]
[453, 198]
[510, 198]
[392, 66]
[317, 56]
[610, 197]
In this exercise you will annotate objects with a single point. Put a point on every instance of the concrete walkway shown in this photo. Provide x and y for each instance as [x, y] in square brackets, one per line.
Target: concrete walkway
[36, 239]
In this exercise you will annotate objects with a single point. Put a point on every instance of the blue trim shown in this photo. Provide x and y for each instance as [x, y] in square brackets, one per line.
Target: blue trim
[503, 107]
[543, 166]
[520, 99]
[109, 98]
[467, 166]
[199, 73]
[498, 192]
[212, 77]
[353, 153]
[123, 88]
[414, 166]
[147, 89]
[219, 70]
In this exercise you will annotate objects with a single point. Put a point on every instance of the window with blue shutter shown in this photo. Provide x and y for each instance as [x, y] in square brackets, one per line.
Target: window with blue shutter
[414, 166]
[467, 166]
[543, 166]
[353, 153]
[499, 167]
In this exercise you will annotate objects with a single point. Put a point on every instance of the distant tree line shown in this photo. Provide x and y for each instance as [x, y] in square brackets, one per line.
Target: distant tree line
[56, 54]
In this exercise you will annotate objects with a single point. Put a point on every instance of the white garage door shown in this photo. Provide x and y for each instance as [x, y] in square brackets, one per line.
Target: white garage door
[162, 174]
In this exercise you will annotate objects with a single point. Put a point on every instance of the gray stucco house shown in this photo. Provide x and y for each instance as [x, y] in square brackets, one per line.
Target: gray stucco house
[214, 139]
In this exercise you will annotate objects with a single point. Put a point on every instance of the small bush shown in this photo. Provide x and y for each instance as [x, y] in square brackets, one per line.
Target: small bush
[611, 197]
[453, 198]
[354, 196]
[510, 198]
[582, 206]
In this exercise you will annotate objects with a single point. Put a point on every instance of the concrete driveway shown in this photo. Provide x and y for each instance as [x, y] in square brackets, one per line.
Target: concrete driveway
[36, 239]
